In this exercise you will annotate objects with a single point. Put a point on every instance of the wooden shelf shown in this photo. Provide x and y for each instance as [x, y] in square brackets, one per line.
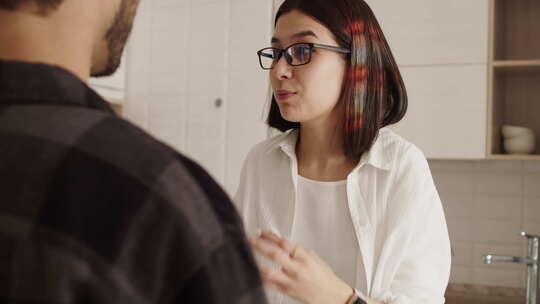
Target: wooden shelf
[516, 29]
[514, 73]
[514, 156]
[529, 64]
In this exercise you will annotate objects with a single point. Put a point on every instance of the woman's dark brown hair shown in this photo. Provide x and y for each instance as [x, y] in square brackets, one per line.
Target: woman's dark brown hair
[373, 92]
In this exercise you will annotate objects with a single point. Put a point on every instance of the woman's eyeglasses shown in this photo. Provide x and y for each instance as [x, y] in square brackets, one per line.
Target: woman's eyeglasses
[295, 55]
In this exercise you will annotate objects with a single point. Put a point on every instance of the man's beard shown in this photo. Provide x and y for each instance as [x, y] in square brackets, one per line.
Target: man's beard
[117, 37]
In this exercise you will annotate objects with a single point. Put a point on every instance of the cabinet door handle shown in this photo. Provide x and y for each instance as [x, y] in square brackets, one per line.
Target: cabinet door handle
[218, 102]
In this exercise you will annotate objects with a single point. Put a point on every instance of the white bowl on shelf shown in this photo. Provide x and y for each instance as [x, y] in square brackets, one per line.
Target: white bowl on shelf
[509, 131]
[524, 143]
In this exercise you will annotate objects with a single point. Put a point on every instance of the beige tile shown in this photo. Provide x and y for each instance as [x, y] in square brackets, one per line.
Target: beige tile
[498, 277]
[481, 249]
[454, 182]
[497, 231]
[498, 207]
[459, 229]
[461, 275]
[532, 228]
[502, 166]
[450, 165]
[531, 210]
[531, 184]
[531, 166]
[457, 204]
[463, 253]
[499, 184]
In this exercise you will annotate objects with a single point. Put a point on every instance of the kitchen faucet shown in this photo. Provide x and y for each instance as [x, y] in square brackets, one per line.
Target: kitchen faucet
[531, 260]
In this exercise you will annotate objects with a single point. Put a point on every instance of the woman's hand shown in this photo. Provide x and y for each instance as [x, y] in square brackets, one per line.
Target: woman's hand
[303, 276]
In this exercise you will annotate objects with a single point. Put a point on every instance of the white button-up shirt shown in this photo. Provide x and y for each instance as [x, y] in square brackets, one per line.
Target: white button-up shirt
[395, 209]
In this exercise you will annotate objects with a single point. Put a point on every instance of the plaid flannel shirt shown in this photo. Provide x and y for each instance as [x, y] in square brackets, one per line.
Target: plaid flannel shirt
[94, 210]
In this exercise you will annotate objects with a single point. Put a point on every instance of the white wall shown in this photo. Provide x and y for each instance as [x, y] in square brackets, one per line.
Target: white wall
[183, 57]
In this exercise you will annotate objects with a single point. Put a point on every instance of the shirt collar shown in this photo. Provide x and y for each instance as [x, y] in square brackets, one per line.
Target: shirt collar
[377, 156]
[36, 83]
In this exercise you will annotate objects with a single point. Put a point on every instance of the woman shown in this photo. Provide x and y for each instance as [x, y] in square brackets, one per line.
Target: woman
[347, 209]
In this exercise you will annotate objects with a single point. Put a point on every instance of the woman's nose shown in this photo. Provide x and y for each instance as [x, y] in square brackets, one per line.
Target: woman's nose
[282, 70]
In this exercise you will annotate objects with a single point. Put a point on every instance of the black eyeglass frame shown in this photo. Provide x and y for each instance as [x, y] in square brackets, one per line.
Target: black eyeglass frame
[289, 59]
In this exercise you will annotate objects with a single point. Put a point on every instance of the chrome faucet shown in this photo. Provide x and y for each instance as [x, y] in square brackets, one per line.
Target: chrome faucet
[532, 265]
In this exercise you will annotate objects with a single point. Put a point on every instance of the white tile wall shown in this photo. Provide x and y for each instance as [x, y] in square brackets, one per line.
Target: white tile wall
[184, 56]
[503, 231]
[463, 254]
[487, 205]
[531, 208]
[498, 277]
[497, 207]
[460, 229]
[461, 273]
[532, 184]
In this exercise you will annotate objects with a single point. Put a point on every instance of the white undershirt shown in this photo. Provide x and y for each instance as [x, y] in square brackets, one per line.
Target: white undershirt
[323, 224]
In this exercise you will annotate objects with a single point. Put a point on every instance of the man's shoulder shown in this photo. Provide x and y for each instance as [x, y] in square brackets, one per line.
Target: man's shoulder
[111, 164]
[112, 141]
[97, 146]
[72, 125]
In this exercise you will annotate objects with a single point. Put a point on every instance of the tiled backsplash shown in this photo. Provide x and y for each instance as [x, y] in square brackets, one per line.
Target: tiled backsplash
[488, 204]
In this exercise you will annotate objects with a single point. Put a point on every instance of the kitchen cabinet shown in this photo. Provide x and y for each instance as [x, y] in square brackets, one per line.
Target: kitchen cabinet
[497, 36]
[156, 86]
[441, 48]
[445, 118]
[194, 81]
[248, 87]
[207, 53]
[426, 32]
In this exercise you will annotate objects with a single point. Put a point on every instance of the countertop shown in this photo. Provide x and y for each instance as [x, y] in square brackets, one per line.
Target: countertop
[480, 294]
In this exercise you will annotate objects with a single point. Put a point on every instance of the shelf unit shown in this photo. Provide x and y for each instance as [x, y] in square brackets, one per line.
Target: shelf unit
[514, 72]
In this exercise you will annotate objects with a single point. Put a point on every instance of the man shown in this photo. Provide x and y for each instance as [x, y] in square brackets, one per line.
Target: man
[92, 209]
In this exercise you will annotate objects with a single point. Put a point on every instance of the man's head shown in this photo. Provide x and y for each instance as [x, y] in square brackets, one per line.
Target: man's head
[110, 22]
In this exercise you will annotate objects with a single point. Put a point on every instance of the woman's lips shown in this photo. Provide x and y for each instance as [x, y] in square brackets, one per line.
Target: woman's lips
[284, 95]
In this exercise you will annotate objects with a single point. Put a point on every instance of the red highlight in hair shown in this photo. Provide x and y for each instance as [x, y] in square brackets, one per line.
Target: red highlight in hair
[359, 74]
[353, 125]
[358, 27]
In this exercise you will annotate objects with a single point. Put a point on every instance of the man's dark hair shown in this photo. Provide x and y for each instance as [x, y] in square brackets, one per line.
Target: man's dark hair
[373, 92]
[43, 5]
